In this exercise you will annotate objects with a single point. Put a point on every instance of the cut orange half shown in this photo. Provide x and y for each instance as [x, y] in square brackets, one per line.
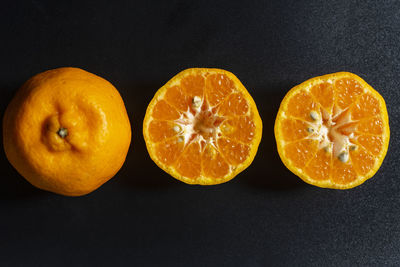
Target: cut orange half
[333, 131]
[202, 127]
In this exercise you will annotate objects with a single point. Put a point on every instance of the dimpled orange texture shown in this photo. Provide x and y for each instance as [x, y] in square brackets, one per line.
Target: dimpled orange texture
[67, 131]
[333, 131]
[202, 127]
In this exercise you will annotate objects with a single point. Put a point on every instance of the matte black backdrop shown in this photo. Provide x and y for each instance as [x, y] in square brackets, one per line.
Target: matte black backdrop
[143, 217]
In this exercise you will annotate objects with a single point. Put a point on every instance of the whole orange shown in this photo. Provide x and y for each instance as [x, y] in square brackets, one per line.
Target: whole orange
[67, 131]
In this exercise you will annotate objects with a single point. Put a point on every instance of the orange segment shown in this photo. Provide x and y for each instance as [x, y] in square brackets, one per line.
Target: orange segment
[214, 166]
[333, 131]
[177, 98]
[163, 111]
[300, 152]
[342, 173]
[347, 90]
[202, 127]
[293, 130]
[218, 87]
[161, 130]
[320, 166]
[193, 85]
[242, 129]
[300, 106]
[168, 151]
[363, 162]
[234, 152]
[366, 106]
[234, 105]
[323, 92]
[189, 164]
[373, 125]
[373, 144]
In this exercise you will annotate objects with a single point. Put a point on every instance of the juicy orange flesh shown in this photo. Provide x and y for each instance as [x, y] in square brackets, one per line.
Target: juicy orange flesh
[203, 126]
[333, 131]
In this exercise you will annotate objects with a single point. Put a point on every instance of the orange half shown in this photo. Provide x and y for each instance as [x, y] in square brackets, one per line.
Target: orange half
[333, 131]
[202, 127]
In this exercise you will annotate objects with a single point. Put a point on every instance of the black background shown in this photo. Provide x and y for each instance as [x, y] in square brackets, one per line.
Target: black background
[266, 216]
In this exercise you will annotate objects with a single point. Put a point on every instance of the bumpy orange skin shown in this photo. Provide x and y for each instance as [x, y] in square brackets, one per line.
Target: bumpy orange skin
[92, 111]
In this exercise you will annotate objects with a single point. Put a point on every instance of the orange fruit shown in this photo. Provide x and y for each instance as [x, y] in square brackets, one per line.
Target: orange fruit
[66, 131]
[333, 131]
[202, 127]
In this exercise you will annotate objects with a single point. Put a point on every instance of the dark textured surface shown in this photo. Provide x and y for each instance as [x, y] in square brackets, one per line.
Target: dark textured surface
[264, 217]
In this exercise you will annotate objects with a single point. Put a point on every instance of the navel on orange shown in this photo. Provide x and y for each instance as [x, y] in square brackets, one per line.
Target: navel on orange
[333, 131]
[202, 127]
[67, 131]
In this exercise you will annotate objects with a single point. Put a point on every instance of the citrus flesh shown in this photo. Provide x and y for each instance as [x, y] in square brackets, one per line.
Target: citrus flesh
[202, 127]
[333, 131]
[67, 131]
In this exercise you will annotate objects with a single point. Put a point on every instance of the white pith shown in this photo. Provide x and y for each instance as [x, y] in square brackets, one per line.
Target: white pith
[187, 122]
[326, 131]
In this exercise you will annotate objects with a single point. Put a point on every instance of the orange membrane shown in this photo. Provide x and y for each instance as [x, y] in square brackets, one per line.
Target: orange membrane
[202, 127]
[332, 130]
